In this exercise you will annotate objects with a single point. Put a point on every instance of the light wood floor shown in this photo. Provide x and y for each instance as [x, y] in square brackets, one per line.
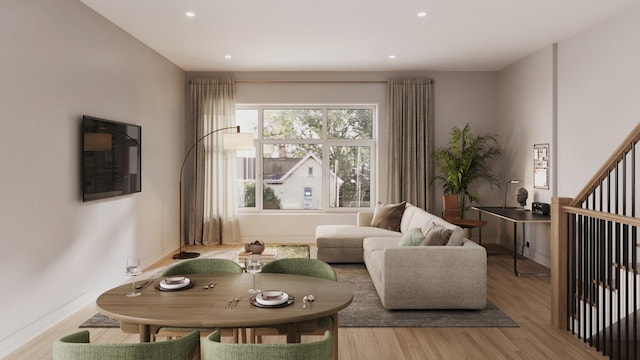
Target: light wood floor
[525, 300]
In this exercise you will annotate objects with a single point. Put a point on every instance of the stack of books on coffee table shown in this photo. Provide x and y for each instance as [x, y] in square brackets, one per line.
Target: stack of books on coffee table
[267, 256]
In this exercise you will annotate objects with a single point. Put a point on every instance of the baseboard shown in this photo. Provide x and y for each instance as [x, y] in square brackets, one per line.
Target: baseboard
[35, 329]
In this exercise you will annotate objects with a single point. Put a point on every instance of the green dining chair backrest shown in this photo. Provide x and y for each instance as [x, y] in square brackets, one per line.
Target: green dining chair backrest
[77, 347]
[213, 349]
[203, 266]
[301, 266]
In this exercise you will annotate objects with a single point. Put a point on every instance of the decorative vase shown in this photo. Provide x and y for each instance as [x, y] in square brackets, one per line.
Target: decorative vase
[256, 247]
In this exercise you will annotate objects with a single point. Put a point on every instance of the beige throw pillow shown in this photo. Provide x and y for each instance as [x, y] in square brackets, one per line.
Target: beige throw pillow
[456, 238]
[436, 235]
[388, 216]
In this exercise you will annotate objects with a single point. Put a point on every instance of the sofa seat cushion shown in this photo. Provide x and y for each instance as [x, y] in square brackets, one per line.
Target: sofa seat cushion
[338, 236]
[374, 248]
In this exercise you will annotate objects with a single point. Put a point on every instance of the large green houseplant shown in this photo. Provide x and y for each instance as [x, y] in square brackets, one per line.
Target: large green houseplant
[464, 161]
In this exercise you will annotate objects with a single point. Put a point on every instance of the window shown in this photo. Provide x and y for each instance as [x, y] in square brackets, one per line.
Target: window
[311, 157]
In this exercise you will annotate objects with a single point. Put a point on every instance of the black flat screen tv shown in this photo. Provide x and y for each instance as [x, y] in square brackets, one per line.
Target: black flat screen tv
[111, 158]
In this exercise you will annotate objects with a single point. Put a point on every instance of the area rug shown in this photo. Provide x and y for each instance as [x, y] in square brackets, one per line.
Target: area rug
[366, 310]
[100, 321]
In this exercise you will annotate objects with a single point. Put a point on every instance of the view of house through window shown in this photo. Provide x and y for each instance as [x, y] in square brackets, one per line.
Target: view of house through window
[311, 158]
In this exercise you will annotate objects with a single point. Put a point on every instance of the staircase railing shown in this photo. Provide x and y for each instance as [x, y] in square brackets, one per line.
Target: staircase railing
[595, 275]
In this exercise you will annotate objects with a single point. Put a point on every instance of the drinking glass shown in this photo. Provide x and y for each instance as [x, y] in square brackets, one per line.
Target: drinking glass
[133, 270]
[253, 265]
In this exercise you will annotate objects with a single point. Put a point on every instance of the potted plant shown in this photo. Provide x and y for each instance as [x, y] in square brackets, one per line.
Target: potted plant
[464, 161]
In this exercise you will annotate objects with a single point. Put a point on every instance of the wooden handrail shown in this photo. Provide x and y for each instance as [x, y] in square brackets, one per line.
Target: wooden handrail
[621, 219]
[608, 166]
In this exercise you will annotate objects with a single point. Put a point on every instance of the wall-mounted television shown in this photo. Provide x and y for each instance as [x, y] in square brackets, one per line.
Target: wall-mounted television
[111, 158]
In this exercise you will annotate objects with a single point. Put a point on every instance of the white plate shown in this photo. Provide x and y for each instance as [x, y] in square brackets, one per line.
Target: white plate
[272, 302]
[173, 284]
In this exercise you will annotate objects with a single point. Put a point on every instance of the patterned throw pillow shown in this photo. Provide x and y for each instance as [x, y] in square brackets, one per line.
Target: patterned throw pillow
[388, 216]
[412, 237]
[436, 235]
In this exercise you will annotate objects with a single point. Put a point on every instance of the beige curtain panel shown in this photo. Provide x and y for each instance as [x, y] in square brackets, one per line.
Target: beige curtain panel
[211, 202]
[410, 132]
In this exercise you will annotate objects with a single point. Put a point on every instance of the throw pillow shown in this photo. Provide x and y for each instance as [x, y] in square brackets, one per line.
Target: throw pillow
[388, 216]
[436, 235]
[412, 237]
[456, 238]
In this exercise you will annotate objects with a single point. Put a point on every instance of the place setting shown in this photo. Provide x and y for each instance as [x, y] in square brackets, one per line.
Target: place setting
[271, 299]
[175, 283]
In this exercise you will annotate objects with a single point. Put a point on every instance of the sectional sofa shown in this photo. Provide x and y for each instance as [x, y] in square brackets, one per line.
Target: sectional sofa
[442, 276]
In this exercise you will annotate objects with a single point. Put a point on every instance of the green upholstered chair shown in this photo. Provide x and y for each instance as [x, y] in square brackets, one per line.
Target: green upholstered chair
[77, 347]
[301, 266]
[203, 266]
[305, 267]
[212, 349]
[199, 266]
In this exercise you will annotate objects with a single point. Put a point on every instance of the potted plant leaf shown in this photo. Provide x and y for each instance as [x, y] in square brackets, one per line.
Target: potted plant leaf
[464, 161]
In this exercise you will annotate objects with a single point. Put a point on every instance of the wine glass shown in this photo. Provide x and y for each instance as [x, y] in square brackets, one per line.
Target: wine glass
[253, 265]
[133, 270]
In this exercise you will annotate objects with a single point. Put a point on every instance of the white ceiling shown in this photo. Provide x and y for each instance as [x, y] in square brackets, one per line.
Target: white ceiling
[352, 35]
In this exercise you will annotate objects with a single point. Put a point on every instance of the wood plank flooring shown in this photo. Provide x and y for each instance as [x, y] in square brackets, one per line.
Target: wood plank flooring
[526, 300]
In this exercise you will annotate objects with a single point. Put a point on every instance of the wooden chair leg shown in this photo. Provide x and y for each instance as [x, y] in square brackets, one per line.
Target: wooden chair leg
[334, 333]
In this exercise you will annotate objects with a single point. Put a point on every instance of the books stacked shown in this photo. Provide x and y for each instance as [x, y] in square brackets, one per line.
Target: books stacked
[268, 255]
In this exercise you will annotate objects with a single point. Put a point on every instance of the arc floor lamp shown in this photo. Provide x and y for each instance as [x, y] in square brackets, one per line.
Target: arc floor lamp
[230, 141]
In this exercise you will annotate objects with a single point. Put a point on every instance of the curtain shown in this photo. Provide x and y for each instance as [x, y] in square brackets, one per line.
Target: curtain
[410, 132]
[211, 201]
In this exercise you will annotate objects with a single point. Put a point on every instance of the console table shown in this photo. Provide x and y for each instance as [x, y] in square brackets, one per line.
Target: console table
[516, 216]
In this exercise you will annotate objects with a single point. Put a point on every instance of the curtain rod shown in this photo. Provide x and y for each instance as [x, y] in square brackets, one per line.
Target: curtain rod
[313, 81]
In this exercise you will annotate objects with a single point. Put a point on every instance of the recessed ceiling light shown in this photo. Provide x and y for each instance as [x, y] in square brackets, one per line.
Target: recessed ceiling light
[392, 57]
[190, 14]
[227, 56]
[422, 14]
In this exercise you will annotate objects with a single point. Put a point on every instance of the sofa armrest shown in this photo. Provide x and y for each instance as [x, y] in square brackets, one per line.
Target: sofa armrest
[364, 218]
[436, 276]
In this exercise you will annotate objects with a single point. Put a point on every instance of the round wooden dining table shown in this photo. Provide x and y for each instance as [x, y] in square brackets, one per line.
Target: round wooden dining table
[197, 307]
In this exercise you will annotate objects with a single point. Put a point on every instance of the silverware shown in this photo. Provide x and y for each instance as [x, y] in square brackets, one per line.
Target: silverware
[231, 304]
[307, 301]
[208, 285]
[213, 285]
[143, 285]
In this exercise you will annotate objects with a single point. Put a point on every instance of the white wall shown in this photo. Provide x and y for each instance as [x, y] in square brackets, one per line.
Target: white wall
[61, 60]
[598, 97]
[460, 97]
[526, 117]
[596, 106]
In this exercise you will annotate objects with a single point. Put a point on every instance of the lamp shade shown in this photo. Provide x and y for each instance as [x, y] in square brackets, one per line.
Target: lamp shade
[237, 141]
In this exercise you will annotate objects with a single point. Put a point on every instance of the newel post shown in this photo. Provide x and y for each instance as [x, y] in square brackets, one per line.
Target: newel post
[559, 264]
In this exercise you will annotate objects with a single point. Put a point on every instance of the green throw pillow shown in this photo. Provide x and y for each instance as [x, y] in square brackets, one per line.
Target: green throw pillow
[412, 237]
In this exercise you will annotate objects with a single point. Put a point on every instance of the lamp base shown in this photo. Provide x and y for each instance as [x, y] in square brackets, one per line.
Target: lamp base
[186, 255]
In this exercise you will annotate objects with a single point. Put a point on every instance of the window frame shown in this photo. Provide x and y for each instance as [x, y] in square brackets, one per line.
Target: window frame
[325, 143]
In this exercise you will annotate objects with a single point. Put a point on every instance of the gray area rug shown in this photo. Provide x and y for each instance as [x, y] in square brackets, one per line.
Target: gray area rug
[366, 310]
[100, 321]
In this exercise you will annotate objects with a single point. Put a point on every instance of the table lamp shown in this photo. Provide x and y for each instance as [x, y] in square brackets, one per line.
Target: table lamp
[506, 187]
